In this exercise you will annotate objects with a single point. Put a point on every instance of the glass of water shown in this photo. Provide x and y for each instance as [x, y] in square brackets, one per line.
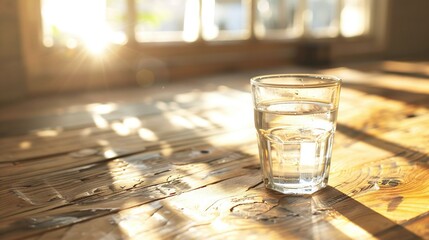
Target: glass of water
[295, 119]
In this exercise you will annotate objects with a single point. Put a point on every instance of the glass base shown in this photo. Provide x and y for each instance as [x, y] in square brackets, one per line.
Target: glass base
[295, 189]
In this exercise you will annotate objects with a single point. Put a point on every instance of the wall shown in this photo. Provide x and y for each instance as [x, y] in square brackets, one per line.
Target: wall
[408, 31]
[12, 73]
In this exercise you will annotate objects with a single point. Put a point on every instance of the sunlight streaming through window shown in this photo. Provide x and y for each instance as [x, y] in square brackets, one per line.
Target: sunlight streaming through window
[322, 18]
[278, 17]
[97, 23]
[227, 19]
[79, 22]
[354, 18]
[162, 21]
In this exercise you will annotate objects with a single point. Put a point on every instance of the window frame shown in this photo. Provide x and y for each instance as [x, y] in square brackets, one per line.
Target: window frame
[45, 67]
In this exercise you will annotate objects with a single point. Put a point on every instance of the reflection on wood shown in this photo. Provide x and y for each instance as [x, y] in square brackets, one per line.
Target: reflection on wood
[183, 165]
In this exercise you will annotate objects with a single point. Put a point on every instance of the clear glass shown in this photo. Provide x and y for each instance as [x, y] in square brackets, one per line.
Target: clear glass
[225, 19]
[295, 119]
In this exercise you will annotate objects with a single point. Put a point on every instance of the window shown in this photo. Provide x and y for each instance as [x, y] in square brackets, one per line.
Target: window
[167, 20]
[73, 44]
[92, 23]
[101, 22]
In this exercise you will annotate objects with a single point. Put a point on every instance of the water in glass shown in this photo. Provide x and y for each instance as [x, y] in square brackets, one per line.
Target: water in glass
[295, 142]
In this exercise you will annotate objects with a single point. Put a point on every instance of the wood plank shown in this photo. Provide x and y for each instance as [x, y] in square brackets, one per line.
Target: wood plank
[228, 210]
[201, 180]
[74, 202]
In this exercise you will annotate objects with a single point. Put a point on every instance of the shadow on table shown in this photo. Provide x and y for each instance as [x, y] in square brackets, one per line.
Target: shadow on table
[369, 220]
[412, 98]
[98, 196]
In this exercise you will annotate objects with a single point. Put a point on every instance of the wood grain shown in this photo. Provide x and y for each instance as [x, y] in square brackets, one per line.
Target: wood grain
[183, 164]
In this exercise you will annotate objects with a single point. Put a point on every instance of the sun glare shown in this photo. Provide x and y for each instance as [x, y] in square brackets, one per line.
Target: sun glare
[78, 22]
[353, 18]
[101, 108]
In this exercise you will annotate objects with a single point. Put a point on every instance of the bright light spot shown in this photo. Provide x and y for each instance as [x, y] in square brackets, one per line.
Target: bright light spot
[198, 121]
[96, 45]
[124, 175]
[191, 210]
[191, 21]
[77, 20]
[353, 19]
[264, 7]
[132, 122]
[220, 225]
[100, 108]
[349, 228]
[308, 153]
[25, 145]
[180, 121]
[165, 147]
[100, 122]
[138, 220]
[147, 135]
[119, 38]
[110, 153]
[211, 30]
[120, 129]
[132, 225]
[48, 132]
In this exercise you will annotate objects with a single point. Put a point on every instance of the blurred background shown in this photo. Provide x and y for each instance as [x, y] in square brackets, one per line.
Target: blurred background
[63, 46]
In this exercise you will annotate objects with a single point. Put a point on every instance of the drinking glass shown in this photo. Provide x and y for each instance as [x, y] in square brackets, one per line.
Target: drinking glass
[295, 119]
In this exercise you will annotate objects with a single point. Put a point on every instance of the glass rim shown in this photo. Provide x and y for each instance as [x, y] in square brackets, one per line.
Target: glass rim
[323, 80]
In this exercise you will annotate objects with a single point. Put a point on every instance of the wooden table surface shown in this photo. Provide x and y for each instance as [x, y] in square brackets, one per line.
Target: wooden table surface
[179, 161]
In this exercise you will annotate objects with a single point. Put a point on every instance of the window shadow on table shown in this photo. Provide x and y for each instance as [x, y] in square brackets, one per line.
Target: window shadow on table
[369, 220]
[413, 156]
[412, 98]
[331, 213]
[408, 97]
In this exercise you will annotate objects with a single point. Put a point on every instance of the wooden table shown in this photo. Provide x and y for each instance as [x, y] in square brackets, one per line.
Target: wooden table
[179, 161]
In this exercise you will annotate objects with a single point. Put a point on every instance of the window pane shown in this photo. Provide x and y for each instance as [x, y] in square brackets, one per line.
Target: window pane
[322, 17]
[354, 17]
[278, 16]
[116, 18]
[72, 23]
[167, 20]
[225, 19]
